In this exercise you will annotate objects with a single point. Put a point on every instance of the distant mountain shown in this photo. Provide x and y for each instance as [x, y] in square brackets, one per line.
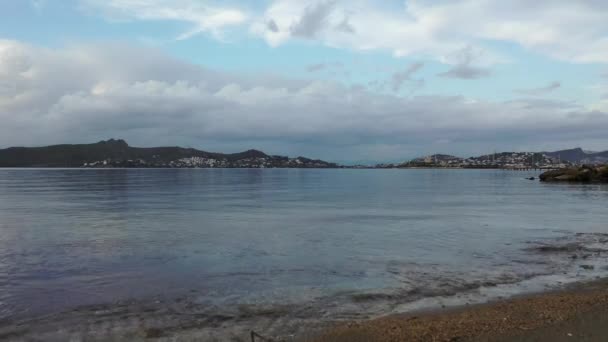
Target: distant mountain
[117, 153]
[579, 156]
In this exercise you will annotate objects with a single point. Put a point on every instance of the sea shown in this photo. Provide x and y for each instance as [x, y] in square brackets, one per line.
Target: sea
[212, 254]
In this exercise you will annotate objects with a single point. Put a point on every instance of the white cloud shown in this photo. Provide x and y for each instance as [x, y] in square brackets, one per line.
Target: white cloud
[575, 31]
[203, 16]
[84, 93]
[569, 30]
[348, 24]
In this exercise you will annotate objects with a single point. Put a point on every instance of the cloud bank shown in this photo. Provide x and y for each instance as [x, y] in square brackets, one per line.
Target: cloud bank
[84, 93]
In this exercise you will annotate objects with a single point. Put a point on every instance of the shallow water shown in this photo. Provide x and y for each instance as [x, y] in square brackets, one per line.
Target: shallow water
[348, 243]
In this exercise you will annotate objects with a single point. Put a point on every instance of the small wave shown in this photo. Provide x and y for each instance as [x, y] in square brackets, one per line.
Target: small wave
[579, 243]
[442, 287]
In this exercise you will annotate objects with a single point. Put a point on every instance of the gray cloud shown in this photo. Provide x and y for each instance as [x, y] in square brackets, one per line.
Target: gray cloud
[466, 72]
[464, 68]
[399, 78]
[88, 93]
[542, 90]
[314, 20]
[271, 25]
[324, 66]
[316, 67]
[536, 103]
[345, 26]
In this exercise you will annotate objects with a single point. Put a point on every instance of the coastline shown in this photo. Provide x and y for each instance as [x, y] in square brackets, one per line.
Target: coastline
[578, 312]
[574, 301]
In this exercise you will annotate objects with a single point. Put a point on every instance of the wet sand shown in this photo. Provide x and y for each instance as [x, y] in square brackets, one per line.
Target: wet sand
[577, 313]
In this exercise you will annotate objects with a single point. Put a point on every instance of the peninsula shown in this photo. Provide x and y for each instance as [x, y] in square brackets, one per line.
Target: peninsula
[117, 153]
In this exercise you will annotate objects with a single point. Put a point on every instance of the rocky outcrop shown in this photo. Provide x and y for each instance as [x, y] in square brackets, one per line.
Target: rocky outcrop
[583, 174]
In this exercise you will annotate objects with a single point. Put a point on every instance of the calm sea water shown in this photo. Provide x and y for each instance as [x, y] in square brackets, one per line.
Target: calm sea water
[77, 237]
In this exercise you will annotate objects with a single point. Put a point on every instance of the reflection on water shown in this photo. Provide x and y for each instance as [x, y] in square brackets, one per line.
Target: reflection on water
[73, 237]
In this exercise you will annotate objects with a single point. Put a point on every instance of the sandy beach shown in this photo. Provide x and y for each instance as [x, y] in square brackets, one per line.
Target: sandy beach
[577, 313]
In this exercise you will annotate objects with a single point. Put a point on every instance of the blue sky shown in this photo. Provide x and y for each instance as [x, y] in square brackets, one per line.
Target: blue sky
[537, 63]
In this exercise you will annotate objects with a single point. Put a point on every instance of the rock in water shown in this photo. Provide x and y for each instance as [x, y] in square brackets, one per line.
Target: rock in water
[583, 174]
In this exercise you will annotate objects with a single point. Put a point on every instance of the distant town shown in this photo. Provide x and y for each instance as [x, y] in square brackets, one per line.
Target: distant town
[202, 162]
[504, 160]
[509, 160]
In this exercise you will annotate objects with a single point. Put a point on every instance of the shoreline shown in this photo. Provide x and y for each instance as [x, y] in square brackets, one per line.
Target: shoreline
[577, 312]
[480, 309]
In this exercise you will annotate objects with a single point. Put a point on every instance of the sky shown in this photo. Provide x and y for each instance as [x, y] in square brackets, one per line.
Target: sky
[343, 80]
